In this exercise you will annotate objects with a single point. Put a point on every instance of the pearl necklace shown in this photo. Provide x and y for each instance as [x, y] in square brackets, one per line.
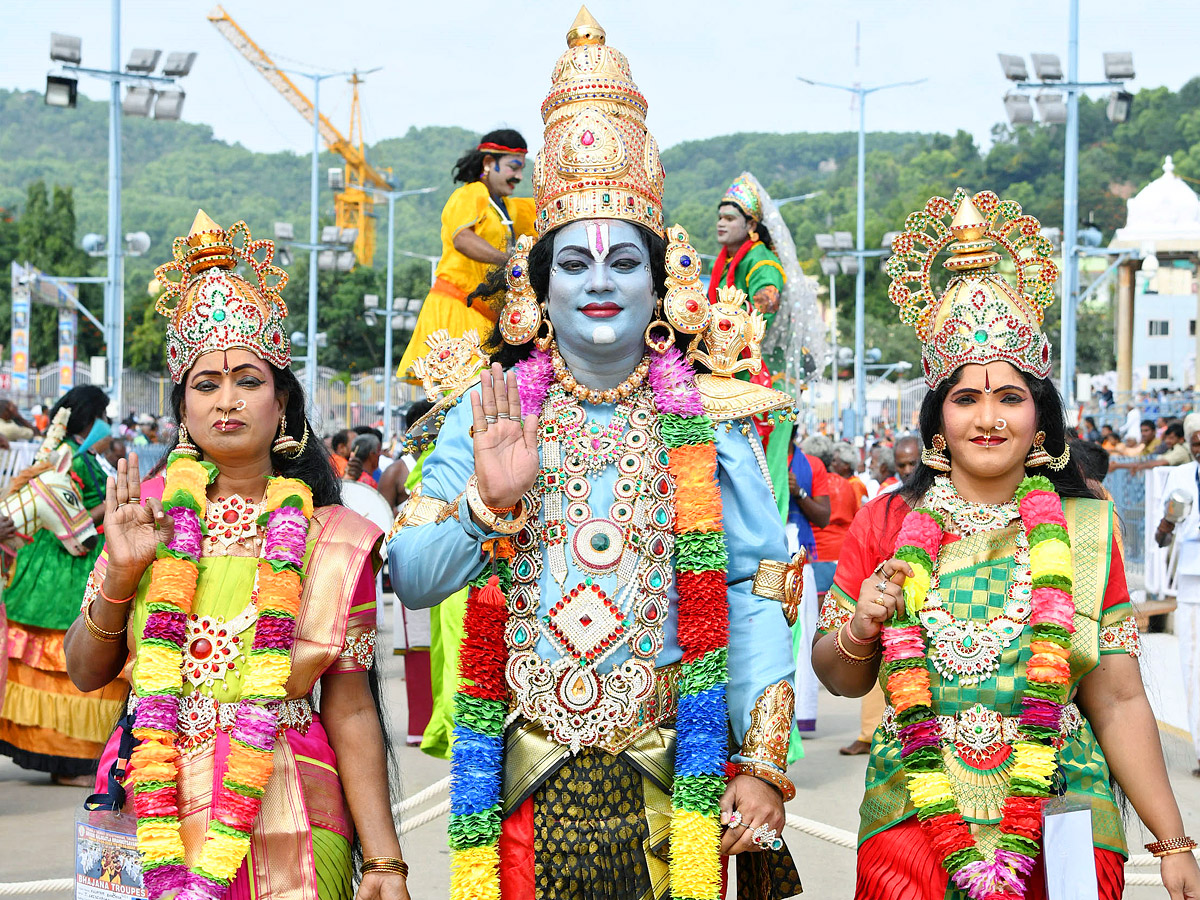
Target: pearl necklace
[590, 395]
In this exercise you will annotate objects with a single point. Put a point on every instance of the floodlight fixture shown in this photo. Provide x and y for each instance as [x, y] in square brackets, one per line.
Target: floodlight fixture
[284, 257]
[136, 243]
[326, 260]
[886, 241]
[61, 92]
[179, 63]
[1090, 235]
[329, 234]
[1118, 66]
[345, 261]
[1047, 66]
[169, 105]
[844, 240]
[849, 265]
[371, 301]
[322, 338]
[143, 60]
[829, 266]
[65, 48]
[347, 236]
[93, 244]
[873, 355]
[1119, 104]
[1052, 107]
[336, 177]
[1018, 109]
[284, 231]
[299, 339]
[369, 318]
[825, 242]
[138, 101]
[1014, 67]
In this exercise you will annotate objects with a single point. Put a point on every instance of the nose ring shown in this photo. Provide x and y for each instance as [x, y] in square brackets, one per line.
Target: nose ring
[1001, 424]
[241, 404]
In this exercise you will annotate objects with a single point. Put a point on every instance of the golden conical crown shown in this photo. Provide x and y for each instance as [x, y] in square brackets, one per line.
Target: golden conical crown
[598, 160]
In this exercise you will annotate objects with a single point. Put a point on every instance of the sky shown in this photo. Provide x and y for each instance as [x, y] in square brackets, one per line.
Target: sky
[707, 68]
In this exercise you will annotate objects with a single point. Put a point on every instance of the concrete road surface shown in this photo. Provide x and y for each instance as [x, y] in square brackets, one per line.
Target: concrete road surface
[36, 818]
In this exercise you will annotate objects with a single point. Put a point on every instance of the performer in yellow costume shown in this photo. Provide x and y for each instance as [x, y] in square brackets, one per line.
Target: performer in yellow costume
[480, 224]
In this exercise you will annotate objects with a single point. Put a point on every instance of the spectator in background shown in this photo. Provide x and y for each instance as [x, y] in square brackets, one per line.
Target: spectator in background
[116, 451]
[41, 421]
[393, 483]
[907, 453]
[1175, 449]
[844, 463]
[1089, 432]
[843, 503]
[147, 431]
[339, 451]
[13, 426]
[883, 468]
[364, 459]
[807, 509]
[384, 460]
[1150, 440]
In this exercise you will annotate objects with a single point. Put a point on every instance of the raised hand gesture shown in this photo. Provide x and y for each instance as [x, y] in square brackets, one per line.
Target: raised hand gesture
[506, 449]
[131, 531]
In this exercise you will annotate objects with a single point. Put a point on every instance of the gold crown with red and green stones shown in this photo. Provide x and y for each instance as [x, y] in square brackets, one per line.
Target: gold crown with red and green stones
[598, 160]
[981, 316]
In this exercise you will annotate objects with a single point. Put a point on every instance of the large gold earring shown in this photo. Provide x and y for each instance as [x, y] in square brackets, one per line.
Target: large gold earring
[659, 336]
[285, 444]
[685, 307]
[521, 317]
[935, 456]
[1040, 456]
[543, 341]
[184, 445]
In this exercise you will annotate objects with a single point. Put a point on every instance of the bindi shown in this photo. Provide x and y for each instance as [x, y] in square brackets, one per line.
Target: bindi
[598, 239]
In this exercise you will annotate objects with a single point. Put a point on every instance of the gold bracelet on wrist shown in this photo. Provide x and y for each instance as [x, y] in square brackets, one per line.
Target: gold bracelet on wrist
[490, 519]
[772, 777]
[105, 637]
[389, 864]
[846, 655]
[1171, 845]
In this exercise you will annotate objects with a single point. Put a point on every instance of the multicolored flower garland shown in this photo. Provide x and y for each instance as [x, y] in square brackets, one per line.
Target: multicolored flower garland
[701, 560]
[1048, 675]
[158, 684]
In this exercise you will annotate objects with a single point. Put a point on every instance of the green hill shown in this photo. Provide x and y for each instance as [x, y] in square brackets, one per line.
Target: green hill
[171, 168]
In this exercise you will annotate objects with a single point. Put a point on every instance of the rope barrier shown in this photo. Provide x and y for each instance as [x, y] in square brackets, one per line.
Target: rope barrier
[438, 787]
[37, 887]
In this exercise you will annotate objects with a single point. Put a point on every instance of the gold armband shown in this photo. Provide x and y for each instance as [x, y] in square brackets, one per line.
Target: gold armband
[421, 510]
[771, 725]
[782, 581]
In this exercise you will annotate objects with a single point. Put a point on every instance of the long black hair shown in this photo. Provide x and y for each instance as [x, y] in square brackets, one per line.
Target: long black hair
[763, 234]
[469, 166]
[312, 466]
[1051, 419]
[87, 403]
[541, 260]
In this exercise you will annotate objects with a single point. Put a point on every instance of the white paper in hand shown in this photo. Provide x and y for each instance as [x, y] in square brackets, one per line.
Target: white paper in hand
[1069, 855]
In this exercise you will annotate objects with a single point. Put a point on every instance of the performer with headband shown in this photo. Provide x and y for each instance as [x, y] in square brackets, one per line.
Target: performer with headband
[988, 598]
[480, 224]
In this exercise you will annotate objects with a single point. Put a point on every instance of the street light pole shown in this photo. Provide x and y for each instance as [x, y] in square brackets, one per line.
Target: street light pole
[1071, 210]
[114, 303]
[860, 283]
[837, 405]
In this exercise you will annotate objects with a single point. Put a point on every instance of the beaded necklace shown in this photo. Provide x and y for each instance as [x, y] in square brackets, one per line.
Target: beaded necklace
[158, 684]
[905, 675]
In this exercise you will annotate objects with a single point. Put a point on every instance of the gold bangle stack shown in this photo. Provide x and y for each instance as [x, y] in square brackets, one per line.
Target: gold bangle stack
[105, 637]
[772, 777]
[492, 519]
[1171, 846]
[846, 655]
[390, 864]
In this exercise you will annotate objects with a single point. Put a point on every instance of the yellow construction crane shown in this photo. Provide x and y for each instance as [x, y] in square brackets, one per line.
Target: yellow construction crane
[354, 207]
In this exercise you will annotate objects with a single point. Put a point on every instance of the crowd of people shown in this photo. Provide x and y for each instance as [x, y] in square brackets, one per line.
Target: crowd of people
[639, 570]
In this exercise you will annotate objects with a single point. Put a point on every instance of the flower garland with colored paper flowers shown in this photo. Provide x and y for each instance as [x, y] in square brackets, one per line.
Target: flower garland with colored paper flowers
[1048, 675]
[158, 684]
[701, 560]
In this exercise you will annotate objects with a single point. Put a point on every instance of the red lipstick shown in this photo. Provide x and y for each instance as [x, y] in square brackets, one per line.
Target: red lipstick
[601, 310]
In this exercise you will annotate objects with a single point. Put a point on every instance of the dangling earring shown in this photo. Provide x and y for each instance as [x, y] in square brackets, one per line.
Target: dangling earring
[285, 444]
[543, 341]
[521, 317]
[1039, 456]
[184, 445]
[685, 307]
[754, 233]
[935, 456]
[659, 336]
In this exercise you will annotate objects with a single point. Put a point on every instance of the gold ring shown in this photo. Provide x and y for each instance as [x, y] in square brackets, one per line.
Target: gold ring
[472, 431]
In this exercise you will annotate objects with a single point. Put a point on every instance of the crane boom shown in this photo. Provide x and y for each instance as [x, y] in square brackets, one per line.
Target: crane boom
[354, 207]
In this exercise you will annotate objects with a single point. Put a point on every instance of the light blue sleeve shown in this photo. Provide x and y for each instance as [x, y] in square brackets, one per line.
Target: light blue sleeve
[431, 562]
[760, 644]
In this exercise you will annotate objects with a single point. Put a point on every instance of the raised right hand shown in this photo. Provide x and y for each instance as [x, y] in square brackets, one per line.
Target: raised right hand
[875, 605]
[132, 531]
[506, 449]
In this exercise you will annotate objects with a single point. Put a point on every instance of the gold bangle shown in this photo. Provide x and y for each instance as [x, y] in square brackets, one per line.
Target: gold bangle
[846, 655]
[1171, 845]
[765, 773]
[491, 520]
[1163, 853]
[105, 637]
[389, 864]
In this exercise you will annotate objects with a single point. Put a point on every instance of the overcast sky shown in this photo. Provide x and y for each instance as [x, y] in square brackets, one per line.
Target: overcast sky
[706, 67]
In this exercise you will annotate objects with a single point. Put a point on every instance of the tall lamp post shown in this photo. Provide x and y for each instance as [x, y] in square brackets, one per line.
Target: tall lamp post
[143, 96]
[860, 315]
[1118, 69]
[391, 197]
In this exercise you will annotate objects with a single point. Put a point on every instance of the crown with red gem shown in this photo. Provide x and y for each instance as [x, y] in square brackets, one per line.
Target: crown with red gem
[598, 160]
[211, 307]
[981, 316]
